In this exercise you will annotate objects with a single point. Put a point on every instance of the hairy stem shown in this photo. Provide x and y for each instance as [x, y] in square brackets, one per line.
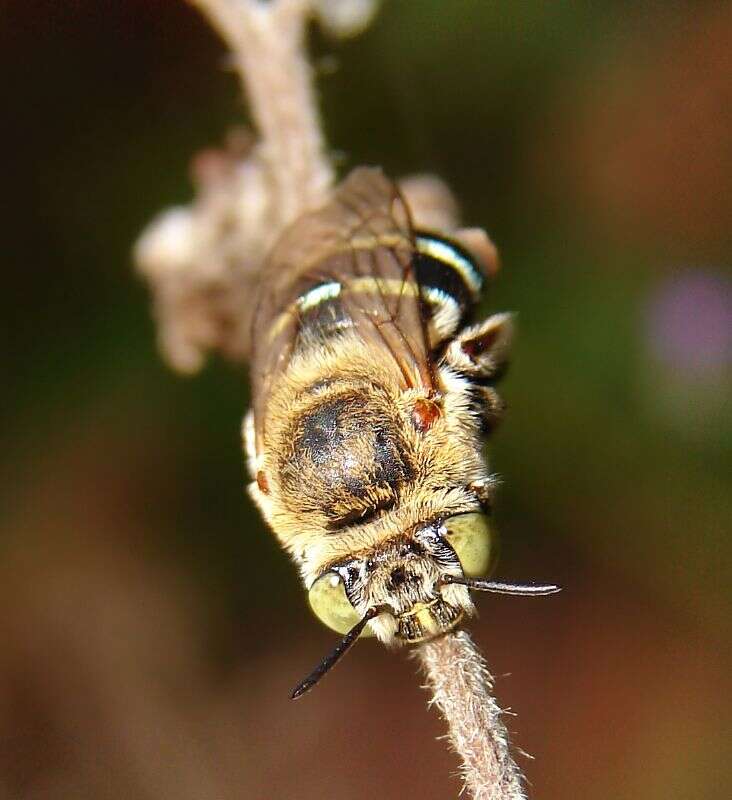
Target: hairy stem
[268, 51]
[461, 687]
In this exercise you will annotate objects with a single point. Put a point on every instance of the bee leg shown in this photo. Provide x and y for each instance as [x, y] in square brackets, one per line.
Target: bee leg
[485, 491]
[481, 351]
[491, 407]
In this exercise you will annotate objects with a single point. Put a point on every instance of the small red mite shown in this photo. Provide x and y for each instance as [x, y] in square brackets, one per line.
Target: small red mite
[262, 482]
[424, 414]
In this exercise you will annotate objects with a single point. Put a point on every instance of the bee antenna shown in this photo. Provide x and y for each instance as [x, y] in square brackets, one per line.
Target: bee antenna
[333, 658]
[524, 589]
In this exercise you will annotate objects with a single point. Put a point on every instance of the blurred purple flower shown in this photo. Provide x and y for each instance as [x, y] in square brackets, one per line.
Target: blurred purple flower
[689, 321]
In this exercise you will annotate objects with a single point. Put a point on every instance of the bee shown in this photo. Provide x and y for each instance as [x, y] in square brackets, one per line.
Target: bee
[372, 396]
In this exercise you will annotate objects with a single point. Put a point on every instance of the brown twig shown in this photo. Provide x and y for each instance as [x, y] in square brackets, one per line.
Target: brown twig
[267, 50]
[203, 260]
[461, 687]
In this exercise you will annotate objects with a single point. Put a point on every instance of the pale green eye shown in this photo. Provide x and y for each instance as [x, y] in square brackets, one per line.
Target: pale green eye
[331, 605]
[474, 541]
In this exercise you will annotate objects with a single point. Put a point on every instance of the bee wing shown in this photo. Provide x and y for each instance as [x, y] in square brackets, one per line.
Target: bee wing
[363, 242]
[381, 295]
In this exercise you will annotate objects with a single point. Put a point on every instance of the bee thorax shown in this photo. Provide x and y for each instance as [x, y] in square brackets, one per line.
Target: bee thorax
[347, 456]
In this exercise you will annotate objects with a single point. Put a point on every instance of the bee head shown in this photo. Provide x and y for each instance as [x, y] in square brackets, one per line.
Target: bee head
[409, 589]
[408, 579]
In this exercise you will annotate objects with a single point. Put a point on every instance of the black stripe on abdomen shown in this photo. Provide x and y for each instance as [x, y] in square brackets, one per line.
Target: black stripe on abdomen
[450, 284]
[441, 264]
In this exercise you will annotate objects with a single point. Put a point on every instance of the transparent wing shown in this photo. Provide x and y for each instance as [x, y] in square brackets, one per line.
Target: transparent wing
[362, 241]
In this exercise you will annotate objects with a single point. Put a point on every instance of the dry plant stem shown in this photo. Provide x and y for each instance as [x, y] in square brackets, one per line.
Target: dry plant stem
[268, 51]
[202, 260]
[461, 687]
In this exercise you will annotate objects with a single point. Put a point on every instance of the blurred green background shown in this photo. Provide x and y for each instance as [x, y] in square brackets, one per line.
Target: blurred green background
[151, 629]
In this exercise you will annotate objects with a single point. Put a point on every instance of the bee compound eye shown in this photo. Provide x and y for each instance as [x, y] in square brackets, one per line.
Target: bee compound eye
[330, 604]
[474, 541]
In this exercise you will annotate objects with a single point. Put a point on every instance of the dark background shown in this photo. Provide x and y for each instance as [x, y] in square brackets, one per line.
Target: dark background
[150, 629]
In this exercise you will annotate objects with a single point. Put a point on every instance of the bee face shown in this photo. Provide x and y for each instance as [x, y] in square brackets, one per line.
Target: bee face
[406, 580]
